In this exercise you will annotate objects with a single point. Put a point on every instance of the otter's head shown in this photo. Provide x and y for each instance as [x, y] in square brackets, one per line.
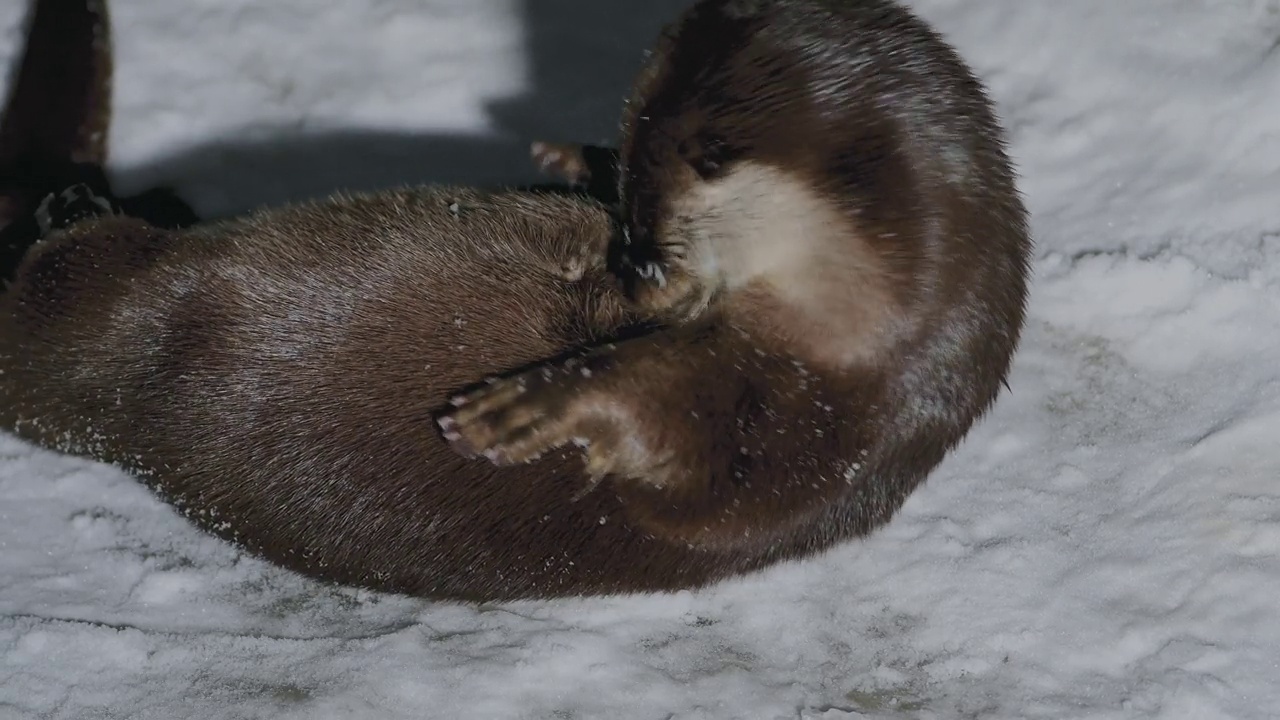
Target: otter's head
[707, 213]
[708, 164]
[671, 215]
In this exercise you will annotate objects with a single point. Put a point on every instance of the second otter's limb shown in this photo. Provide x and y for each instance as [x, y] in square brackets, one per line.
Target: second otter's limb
[706, 439]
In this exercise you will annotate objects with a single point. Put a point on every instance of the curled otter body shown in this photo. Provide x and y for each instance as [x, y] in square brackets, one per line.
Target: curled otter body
[814, 194]
[275, 377]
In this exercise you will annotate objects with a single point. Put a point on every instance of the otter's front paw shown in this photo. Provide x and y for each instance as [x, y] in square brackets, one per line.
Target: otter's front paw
[516, 419]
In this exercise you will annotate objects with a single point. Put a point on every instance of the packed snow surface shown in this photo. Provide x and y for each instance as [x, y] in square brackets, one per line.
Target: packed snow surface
[1106, 544]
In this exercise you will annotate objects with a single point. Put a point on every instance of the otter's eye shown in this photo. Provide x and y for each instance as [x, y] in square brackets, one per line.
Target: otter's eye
[707, 155]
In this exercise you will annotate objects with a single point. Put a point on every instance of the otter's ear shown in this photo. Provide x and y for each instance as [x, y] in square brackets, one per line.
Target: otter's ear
[707, 154]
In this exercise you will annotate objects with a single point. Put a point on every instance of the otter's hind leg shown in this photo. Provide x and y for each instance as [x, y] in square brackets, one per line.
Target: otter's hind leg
[53, 131]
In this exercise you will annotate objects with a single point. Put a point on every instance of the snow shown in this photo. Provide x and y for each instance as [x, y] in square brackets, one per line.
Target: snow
[1105, 545]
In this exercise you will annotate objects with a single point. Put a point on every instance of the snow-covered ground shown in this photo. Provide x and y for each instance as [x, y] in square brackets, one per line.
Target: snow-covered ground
[1105, 545]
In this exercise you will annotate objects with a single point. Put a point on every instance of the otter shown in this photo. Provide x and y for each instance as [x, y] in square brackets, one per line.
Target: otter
[819, 213]
[275, 377]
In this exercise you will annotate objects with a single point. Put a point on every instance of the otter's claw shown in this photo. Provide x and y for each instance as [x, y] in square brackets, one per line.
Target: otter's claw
[653, 271]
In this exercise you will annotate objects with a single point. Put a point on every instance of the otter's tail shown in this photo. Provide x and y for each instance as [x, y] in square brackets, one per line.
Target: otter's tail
[53, 131]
